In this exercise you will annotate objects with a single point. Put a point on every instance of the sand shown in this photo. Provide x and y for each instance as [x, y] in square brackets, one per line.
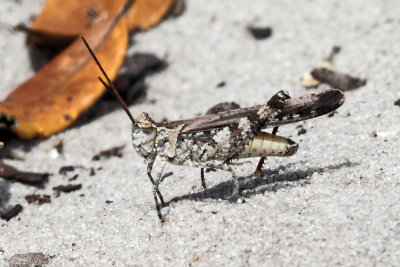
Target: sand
[336, 202]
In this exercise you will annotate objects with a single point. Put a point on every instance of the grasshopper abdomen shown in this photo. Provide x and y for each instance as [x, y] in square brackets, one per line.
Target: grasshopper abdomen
[265, 144]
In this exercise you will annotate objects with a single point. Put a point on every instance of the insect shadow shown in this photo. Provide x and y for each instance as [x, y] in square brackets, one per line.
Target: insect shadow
[4, 193]
[130, 83]
[272, 181]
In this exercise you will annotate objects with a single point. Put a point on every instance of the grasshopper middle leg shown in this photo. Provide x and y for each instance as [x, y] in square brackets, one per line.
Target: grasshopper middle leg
[203, 181]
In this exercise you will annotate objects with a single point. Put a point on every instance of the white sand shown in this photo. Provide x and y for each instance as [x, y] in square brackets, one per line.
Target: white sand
[336, 202]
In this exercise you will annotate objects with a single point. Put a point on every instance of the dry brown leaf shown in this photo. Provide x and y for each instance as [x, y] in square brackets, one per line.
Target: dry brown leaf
[145, 14]
[60, 21]
[53, 99]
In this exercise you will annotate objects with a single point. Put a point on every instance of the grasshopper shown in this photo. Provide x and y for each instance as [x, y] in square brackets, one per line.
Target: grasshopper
[215, 140]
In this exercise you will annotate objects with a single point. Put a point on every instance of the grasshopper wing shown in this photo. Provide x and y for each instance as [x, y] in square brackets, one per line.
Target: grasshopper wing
[212, 121]
[292, 110]
[307, 107]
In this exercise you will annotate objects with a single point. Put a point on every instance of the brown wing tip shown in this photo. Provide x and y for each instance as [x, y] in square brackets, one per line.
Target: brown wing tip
[332, 97]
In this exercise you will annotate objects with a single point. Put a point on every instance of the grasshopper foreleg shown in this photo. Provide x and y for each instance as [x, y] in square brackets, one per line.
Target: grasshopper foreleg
[156, 191]
[155, 184]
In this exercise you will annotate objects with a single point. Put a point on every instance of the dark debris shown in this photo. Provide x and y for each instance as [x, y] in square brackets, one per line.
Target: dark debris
[73, 178]
[260, 33]
[301, 130]
[67, 188]
[111, 152]
[38, 199]
[11, 213]
[66, 169]
[221, 84]
[337, 80]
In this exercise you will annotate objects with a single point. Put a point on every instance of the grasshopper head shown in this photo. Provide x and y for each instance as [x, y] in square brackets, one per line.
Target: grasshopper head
[144, 134]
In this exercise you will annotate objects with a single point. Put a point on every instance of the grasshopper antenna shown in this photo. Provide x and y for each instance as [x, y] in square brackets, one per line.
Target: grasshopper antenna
[109, 85]
[119, 98]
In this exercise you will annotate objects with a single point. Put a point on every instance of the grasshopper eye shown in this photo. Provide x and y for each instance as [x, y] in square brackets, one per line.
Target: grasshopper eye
[278, 100]
[284, 94]
[144, 121]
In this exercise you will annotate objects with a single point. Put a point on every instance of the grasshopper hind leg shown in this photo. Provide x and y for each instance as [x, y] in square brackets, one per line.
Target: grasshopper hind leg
[259, 172]
[260, 164]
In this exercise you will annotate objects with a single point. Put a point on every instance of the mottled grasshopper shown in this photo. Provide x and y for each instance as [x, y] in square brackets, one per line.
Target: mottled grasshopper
[214, 140]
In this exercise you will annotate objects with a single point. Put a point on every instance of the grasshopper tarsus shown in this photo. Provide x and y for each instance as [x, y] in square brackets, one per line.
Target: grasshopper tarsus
[158, 208]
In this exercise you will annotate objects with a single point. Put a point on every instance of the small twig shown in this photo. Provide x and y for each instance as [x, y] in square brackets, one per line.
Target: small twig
[10, 173]
[67, 188]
